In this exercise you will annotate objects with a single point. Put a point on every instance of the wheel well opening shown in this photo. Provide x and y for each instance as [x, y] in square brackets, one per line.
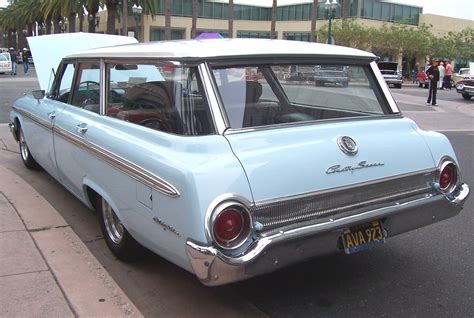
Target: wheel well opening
[17, 126]
[92, 196]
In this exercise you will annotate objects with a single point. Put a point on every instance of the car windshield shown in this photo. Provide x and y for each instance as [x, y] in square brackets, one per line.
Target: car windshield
[263, 95]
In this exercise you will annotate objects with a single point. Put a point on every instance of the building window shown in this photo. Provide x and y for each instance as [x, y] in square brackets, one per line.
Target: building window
[158, 34]
[253, 34]
[297, 36]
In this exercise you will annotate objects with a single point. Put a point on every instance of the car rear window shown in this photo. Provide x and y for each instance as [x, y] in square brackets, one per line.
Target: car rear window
[263, 95]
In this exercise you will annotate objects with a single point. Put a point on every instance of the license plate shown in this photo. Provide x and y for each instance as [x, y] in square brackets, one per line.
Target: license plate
[362, 237]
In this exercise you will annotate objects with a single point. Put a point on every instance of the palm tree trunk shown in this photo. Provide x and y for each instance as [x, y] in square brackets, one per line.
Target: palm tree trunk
[91, 20]
[124, 17]
[81, 22]
[231, 18]
[194, 19]
[314, 16]
[273, 25]
[111, 16]
[48, 25]
[346, 8]
[167, 19]
[57, 27]
[71, 18]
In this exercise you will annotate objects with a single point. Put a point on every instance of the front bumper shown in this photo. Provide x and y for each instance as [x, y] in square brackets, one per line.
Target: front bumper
[267, 254]
[13, 131]
[466, 90]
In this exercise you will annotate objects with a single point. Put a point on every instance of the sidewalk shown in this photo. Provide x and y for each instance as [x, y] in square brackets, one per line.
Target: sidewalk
[45, 269]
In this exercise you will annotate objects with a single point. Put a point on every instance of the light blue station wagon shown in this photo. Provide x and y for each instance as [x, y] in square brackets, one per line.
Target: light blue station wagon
[224, 158]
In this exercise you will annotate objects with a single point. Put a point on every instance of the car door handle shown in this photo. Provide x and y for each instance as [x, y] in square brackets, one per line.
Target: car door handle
[52, 115]
[81, 128]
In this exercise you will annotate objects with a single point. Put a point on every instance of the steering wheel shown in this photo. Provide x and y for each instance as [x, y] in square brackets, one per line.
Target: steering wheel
[89, 83]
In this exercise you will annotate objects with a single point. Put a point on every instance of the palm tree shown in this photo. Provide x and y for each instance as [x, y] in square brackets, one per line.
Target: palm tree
[231, 18]
[92, 7]
[194, 18]
[314, 16]
[346, 9]
[273, 24]
[112, 6]
[167, 19]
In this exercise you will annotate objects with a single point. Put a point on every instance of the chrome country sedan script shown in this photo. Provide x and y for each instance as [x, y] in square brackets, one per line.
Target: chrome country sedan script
[360, 165]
[213, 155]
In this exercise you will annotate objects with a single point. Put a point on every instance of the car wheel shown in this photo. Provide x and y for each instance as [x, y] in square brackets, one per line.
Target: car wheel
[344, 84]
[398, 85]
[25, 153]
[119, 241]
[466, 96]
[317, 83]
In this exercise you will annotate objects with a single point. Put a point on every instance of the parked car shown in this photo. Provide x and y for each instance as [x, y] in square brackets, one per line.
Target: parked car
[331, 74]
[422, 79]
[231, 178]
[463, 74]
[391, 73]
[465, 88]
[5, 63]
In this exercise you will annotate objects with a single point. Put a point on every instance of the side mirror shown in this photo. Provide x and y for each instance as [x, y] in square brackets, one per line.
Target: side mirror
[38, 94]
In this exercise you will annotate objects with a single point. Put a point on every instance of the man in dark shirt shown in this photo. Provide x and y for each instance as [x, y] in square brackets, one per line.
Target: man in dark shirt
[13, 59]
[24, 56]
[433, 76]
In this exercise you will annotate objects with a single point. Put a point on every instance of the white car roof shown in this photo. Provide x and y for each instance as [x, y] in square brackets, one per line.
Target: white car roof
[215, 48]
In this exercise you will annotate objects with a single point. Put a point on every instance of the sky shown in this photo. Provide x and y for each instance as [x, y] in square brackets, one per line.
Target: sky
[462, 9]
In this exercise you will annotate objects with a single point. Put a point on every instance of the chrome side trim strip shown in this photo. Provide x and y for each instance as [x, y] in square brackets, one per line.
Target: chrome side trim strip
[120, 163]
[385, 89]
[217, 111]
[37, 120]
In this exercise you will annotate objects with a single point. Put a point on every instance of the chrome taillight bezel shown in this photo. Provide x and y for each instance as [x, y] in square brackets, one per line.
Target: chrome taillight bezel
[216, 209]
[444, 162]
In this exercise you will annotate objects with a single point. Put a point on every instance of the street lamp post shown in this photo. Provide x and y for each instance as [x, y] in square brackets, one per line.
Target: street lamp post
[137, 12]
[330, 6]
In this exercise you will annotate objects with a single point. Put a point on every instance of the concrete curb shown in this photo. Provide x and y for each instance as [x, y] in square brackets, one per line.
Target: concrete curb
[86, 286]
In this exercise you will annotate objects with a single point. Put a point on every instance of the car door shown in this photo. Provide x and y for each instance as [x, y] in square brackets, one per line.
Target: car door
[39, 121]
[72, 125]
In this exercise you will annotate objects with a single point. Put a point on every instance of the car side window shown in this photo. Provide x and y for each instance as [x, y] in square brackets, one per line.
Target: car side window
[163, 97]
[62, 91]
[86, 92]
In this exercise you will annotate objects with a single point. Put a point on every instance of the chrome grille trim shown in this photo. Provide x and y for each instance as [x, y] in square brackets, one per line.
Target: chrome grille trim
[319, 206]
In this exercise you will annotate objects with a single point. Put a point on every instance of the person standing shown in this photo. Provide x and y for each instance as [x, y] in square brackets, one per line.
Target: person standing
[24, 56]
[448, 74]
[433, 75]
[441, 75]
[414, 73]
[13, 59]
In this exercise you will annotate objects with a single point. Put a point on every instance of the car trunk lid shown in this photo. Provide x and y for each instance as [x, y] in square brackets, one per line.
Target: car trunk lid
[304, 159]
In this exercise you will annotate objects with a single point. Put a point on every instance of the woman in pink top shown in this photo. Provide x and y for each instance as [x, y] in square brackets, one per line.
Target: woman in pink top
[448, 73]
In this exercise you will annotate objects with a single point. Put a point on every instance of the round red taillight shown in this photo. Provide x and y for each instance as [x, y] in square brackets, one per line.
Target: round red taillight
[231, 226]
[447, 177]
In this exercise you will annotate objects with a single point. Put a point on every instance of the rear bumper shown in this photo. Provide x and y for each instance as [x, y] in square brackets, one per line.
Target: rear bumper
[267, 254]
[393, 81]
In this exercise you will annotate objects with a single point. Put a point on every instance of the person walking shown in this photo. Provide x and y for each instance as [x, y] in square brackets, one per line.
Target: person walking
[441, 75]
[433, 76]
[448, 74]
[24, 56]
[13, 59]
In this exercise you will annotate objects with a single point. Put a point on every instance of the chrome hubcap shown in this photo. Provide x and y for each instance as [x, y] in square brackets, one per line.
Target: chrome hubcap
[112, 223]
[23, 146]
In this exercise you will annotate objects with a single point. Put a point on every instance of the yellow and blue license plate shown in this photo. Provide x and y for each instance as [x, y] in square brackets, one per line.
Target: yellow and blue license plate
[362, 237]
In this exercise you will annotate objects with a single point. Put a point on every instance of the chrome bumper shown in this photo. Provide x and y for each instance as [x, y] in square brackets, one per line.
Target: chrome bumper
[13, 131]
[267, 254]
